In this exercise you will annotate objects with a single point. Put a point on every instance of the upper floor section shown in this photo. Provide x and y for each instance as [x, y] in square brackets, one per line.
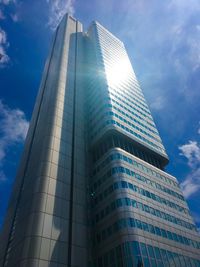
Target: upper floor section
[115, 99]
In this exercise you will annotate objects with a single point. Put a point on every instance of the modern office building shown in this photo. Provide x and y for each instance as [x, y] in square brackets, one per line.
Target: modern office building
[91, 189]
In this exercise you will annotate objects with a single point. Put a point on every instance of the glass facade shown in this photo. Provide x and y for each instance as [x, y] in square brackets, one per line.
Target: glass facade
[91, 189]
[140, 254]
[138, 215]
[125, 107]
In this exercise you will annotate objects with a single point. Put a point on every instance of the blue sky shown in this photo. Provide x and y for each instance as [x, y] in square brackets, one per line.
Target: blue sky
[163, 41]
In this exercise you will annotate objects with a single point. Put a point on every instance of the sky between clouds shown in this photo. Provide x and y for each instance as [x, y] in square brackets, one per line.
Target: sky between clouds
[162, 39]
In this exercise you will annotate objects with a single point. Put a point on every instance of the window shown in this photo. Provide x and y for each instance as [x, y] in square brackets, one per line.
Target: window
[157, 231]
[150, 251]
[151, 229]
[138, 224]
[135, 248]
[145, 226]
[157, 253]
[124, 184]
[131, 222]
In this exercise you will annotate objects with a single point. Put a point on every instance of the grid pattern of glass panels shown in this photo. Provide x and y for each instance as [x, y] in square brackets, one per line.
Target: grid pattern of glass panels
[125, 108]
[129, 196]
[139, 254]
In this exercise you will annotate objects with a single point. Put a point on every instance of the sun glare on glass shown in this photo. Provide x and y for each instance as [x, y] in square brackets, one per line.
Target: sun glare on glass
[118, 72]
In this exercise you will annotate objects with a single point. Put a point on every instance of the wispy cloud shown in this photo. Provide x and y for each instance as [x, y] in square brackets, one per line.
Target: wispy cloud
[13, 129]
[198, 131]
[57, 10]
[171, 29]
[192, 152]
[196, 217]
[7, 2]
[191, 184]
[4, 5]
[4, 58]
[3, 38]
[2, 16]
[14, 17]
[184, 51]
[163, 40]
[2, 176]
[9, 9]
[158, 103]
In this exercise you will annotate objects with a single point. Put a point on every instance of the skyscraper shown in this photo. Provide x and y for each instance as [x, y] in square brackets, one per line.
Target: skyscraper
[91, 189]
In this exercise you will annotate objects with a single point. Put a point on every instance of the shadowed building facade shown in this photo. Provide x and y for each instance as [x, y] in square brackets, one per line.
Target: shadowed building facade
[91, 189]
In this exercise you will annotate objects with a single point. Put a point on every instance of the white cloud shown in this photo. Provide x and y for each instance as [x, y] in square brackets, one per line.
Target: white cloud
[191, 184]
[13, 129]
[57, 10]
[4, 58]
[3, 46]
[192, 152]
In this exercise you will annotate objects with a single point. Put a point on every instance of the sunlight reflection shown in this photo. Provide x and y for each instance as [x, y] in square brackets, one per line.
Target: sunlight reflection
[118, 72]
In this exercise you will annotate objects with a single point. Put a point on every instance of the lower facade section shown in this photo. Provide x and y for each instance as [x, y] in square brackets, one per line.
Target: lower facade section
[139, 217]
[139, 254]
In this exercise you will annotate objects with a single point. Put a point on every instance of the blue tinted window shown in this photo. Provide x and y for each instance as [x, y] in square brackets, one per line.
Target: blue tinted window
[146, 208]
[128, 201]
[134, 203]
[163, 232]
[164, 255]
[145, 226]
[153, 263]
[146, 262]
[138, 224]
[124, 184]
[170, 257]
[143, 249]
[157, 230]
[157, 253]
[160, 263]
[176, 259]
[151, 252]
[135, 248]
[175, 237]
[130, 186]
[127, 249]
[169, 234]
[137, 261]
[151, 229]
[131, 222]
